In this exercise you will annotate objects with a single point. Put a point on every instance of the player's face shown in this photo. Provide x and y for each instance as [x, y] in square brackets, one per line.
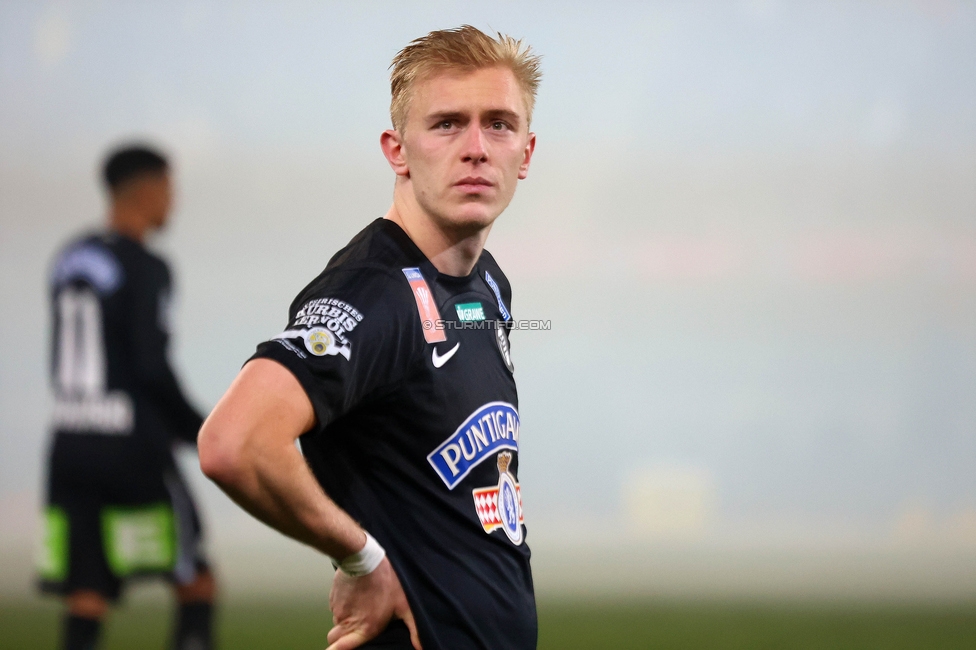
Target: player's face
[466, 144]
[155, 197]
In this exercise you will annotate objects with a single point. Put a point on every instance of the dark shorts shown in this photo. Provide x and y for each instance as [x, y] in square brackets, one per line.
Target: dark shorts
[112, 515]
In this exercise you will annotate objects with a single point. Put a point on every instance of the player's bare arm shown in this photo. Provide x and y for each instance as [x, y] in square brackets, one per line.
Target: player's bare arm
[247, 447]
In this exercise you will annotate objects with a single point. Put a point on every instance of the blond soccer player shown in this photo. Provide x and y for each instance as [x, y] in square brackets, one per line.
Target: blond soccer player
[395, 373]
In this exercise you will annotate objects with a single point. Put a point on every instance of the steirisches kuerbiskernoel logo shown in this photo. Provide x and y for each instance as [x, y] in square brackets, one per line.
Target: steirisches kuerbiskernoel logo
[331, 320]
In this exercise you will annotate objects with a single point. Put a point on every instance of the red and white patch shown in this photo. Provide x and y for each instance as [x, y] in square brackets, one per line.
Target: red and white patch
[486, 505]
[430, 317]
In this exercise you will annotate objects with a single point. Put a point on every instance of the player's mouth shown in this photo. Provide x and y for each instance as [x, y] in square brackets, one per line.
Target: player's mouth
[473, 184]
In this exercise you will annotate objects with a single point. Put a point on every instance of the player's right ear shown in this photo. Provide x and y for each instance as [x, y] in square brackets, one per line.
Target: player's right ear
[392, 144]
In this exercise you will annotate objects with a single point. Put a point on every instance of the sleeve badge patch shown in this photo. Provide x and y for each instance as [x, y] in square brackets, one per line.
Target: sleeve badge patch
[318, 341]
[426, 307]
[332, 320]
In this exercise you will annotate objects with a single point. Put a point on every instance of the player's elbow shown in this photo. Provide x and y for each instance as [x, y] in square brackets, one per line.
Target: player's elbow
[221, 457]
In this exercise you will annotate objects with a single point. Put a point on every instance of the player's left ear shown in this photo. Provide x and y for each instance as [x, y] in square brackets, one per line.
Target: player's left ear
[392, 144]
[527, 157]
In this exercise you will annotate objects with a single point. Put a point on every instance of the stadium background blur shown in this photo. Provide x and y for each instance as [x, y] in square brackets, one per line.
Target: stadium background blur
[750, 225]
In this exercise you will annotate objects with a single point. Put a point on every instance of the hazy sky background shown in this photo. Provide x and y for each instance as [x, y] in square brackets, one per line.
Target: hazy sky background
[752, 226]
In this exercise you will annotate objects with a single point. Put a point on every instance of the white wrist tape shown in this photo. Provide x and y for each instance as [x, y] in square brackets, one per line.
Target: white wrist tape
[365, 561]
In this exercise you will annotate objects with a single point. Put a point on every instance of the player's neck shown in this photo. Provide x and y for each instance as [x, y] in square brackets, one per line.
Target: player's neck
[127, 221]
[450, 252]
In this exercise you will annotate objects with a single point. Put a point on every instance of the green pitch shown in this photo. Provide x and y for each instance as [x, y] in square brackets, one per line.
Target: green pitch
[597, 625]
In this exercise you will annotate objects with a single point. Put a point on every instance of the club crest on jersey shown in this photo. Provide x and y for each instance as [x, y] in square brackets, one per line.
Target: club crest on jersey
[500, 506]
[491, 428]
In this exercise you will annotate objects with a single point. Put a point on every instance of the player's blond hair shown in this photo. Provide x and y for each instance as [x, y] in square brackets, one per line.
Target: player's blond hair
[464, 48]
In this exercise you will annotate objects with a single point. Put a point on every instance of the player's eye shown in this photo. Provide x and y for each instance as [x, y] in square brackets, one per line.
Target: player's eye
[498, 125]
[445, 125]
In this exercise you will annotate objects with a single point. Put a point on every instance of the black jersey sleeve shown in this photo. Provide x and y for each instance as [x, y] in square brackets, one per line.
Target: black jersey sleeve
[350, 335]
[149, 341]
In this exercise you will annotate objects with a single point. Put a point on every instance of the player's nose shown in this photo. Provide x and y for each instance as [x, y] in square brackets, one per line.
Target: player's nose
[474, 149]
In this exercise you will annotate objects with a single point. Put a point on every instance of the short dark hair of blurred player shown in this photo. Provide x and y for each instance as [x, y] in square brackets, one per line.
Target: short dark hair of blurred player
[117, 507]
[395, 373]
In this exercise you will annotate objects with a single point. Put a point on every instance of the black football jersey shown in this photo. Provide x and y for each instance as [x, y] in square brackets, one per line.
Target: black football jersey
[112, 379]
[417, 436]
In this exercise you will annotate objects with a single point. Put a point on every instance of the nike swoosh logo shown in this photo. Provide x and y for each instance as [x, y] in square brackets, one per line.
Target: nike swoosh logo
[439, 360]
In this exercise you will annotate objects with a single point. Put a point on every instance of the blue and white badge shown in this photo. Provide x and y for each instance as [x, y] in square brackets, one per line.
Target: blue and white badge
[491, 428]
[509, 506]
[498, 296]
[500, 506]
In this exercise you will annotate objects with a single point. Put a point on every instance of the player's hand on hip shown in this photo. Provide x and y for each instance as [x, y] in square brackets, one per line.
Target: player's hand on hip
[363, 607]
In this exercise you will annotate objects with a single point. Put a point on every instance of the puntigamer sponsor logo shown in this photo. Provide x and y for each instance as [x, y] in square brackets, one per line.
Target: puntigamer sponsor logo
[492, 427]
[469, 312]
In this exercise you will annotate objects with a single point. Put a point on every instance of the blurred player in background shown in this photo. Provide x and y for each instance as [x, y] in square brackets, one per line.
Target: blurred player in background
[395, 373]
[117, 506]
